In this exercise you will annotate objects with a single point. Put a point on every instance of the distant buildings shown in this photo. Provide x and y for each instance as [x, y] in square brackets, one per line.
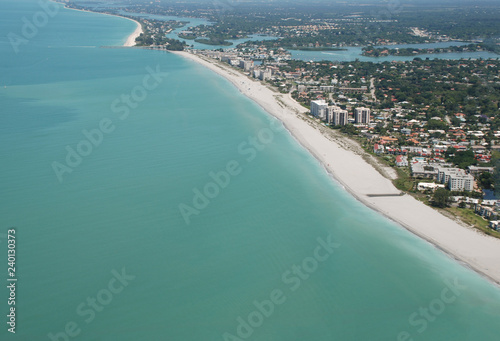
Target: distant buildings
[348, 90]
[327, 88]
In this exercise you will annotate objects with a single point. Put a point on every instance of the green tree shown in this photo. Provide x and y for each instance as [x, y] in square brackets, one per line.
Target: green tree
[464, 159]
[436, 125]
[486, 180]
[495, 160]
[349, 130]
[441, 198]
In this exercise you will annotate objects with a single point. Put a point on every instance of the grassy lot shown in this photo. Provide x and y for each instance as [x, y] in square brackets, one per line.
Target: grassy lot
[404, 182]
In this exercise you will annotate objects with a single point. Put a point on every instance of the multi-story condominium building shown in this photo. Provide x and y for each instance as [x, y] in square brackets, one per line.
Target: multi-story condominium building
[266, 74]
[362, 115]
[461, 183]
[456, 179]
[337, 116]
[445, 173]
[319, 109]
[246, 65]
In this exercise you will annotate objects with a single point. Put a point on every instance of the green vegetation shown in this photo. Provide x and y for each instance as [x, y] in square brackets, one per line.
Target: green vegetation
[169, 44]
[441, 198]
[443, 87]
[349, 130]
[144, 40]
[371, 51]
[174, 44]
[404, 182]
[486, 180]
[461, 159]
[466, 22]
[213, 41]
[187, 36]
[468, 216]
[436, 125]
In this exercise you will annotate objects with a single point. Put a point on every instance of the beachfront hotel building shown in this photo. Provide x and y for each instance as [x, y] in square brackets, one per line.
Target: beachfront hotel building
[319, 109]
[362, 115]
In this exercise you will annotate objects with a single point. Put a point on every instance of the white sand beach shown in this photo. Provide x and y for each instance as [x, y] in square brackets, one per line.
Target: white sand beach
[340, 157]
[131, 38]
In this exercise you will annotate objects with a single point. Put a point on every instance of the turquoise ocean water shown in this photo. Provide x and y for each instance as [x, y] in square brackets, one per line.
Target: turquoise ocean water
[105, 254]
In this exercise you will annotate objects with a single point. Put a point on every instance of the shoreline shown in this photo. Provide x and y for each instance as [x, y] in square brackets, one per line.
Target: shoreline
[469, 247]
[130, 39]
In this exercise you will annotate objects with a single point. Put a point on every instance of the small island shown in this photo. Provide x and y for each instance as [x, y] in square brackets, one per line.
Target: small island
[213, 41]
[371, 51]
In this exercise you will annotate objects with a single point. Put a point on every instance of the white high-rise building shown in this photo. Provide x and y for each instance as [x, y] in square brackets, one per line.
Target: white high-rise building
[246, 65]
[319, 109]
[357, 116]
[362, 115]
[337, 116]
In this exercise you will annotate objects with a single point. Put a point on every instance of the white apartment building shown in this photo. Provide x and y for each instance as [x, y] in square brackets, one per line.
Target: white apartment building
[246, 65]
[445, 173]
[456, 179]
[319, 109]
[337, 116]
[461, 183]
[265, 75]
[362, 115]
